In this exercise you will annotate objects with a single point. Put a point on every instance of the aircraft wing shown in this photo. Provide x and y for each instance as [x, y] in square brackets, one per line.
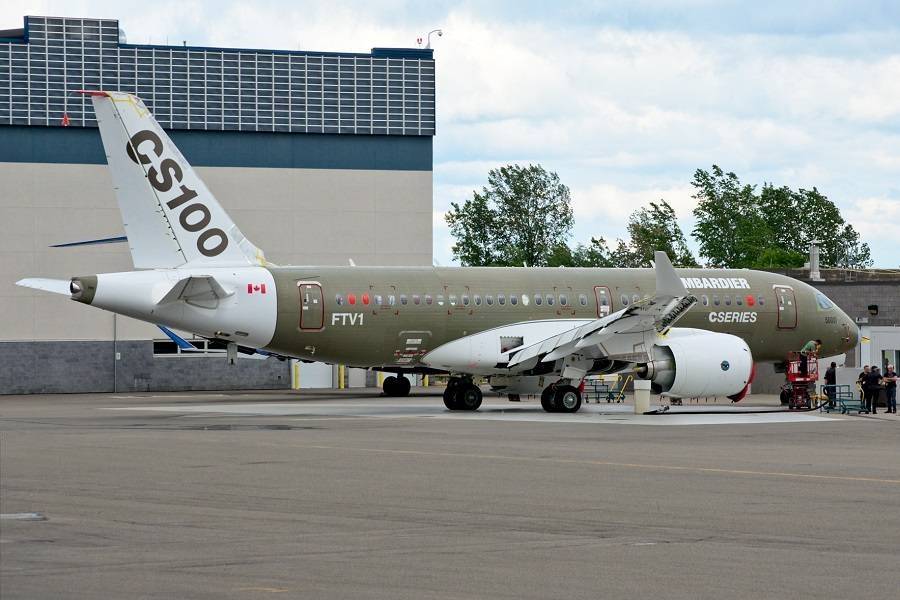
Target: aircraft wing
[614, 335]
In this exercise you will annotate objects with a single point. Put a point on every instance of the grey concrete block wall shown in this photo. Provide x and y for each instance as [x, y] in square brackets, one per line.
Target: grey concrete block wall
[90, 366]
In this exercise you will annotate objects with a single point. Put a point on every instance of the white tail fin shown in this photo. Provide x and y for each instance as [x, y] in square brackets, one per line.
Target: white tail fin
[170, 217]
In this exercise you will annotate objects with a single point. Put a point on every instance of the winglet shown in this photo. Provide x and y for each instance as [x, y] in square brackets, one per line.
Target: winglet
[668, 283]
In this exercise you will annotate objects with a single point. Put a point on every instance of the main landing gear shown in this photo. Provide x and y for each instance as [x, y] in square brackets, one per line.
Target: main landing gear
[396, 386]
[462, 394]
[561, 398]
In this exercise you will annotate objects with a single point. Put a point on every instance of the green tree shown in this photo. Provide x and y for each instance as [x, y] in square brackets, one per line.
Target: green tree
[796, 218]
[522, 216]
[653, 228]
[730, 229]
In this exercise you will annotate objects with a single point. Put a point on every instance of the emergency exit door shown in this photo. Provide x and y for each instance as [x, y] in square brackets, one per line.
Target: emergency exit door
[787, 307]
[312, 309]
[604, 300]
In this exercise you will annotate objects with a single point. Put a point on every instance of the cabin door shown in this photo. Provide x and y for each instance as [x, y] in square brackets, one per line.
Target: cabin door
[787, 307]
[312, 306]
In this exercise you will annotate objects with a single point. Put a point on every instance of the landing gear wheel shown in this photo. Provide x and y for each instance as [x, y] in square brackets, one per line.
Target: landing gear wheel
[567, 399]
[468, 397]
[396, 386]
[548, 401]
[450, 394]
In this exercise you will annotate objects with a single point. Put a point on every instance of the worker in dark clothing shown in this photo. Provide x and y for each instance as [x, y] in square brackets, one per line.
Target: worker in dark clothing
[861, 383]
[811, 348]
[872, 387]
[890, 389]
[831, 383]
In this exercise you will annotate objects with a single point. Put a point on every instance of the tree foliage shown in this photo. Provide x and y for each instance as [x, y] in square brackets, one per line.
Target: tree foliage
[523, 216]
[737, 227]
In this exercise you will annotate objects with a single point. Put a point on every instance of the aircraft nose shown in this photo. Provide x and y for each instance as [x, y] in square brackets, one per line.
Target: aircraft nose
[851, 332]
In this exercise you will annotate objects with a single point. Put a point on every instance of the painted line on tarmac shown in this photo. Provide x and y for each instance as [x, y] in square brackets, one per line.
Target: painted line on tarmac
[604, 463]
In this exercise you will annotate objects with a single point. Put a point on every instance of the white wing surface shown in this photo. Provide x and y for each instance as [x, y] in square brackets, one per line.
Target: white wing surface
[620, 335]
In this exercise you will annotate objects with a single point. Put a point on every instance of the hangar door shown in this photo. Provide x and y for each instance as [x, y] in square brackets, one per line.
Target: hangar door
[787, 307]
[312, 309]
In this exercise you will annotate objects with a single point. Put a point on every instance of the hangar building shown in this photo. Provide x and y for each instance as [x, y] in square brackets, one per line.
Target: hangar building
[319, 157]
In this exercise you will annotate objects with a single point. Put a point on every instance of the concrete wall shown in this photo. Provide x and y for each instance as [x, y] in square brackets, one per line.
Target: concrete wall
[91, 366]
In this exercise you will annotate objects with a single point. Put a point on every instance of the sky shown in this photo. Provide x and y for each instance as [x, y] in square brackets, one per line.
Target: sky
[623, 99]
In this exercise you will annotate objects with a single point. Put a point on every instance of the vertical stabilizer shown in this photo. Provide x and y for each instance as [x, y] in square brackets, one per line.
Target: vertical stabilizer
[170, 216]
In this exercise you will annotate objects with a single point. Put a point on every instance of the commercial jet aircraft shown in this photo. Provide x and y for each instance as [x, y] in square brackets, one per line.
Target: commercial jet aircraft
[527, 330]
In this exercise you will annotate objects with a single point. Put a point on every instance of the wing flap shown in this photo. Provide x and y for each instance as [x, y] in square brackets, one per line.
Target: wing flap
[658, 312]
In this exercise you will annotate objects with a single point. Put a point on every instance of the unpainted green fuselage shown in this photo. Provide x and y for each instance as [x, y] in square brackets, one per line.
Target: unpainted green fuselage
[392, 316]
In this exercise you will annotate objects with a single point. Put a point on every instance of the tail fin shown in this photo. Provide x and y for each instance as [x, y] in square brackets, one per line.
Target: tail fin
[170, 217]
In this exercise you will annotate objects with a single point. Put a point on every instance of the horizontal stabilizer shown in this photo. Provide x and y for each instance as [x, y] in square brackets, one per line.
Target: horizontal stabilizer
[57, 286]
[202, 290]
[109, 240]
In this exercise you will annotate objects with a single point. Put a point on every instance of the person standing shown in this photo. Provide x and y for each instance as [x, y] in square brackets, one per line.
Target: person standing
[890, 389]
[861, 383]
[831, 383]
[872, 388]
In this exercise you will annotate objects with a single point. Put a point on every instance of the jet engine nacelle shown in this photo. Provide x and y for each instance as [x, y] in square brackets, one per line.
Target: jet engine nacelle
[692, 363]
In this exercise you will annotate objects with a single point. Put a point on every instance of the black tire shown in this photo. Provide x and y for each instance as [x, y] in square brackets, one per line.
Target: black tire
[450, 398]
[547, 402]
[468, 397]
[403, 386]
[389, 385]
[567, 399]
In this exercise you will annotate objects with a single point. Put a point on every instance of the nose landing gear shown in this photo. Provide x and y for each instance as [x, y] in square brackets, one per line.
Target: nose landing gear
[396, 386]
[462, 394]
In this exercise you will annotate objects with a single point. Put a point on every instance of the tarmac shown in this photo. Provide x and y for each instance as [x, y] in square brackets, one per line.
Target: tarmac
[344, 494]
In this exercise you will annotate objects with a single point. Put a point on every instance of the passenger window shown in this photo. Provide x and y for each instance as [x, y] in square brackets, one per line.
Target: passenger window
[716, 299]
[392, 300]
[417, 299]
[524, 299]
[339, 299]
[513, 299]
[489, 300]
[379, 300]
[351, 298]
[582, 299]
[760, 300]
[501, 299]
[704, 299]
[452, 299]
[440, 299]
[624, 300]
[635, 298]
[365, 299]
[477, 300]
[465, 299]
[428, 299]
[727, 300]
[538, 299]
[403, 299]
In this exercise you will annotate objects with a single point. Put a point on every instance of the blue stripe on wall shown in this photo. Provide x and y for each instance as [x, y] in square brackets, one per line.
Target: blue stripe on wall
[229, 149]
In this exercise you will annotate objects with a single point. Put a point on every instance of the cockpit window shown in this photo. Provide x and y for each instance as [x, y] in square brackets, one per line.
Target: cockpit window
[823, 302]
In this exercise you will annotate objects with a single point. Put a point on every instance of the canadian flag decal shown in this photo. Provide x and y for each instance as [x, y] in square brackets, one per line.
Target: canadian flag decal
[256, 288]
